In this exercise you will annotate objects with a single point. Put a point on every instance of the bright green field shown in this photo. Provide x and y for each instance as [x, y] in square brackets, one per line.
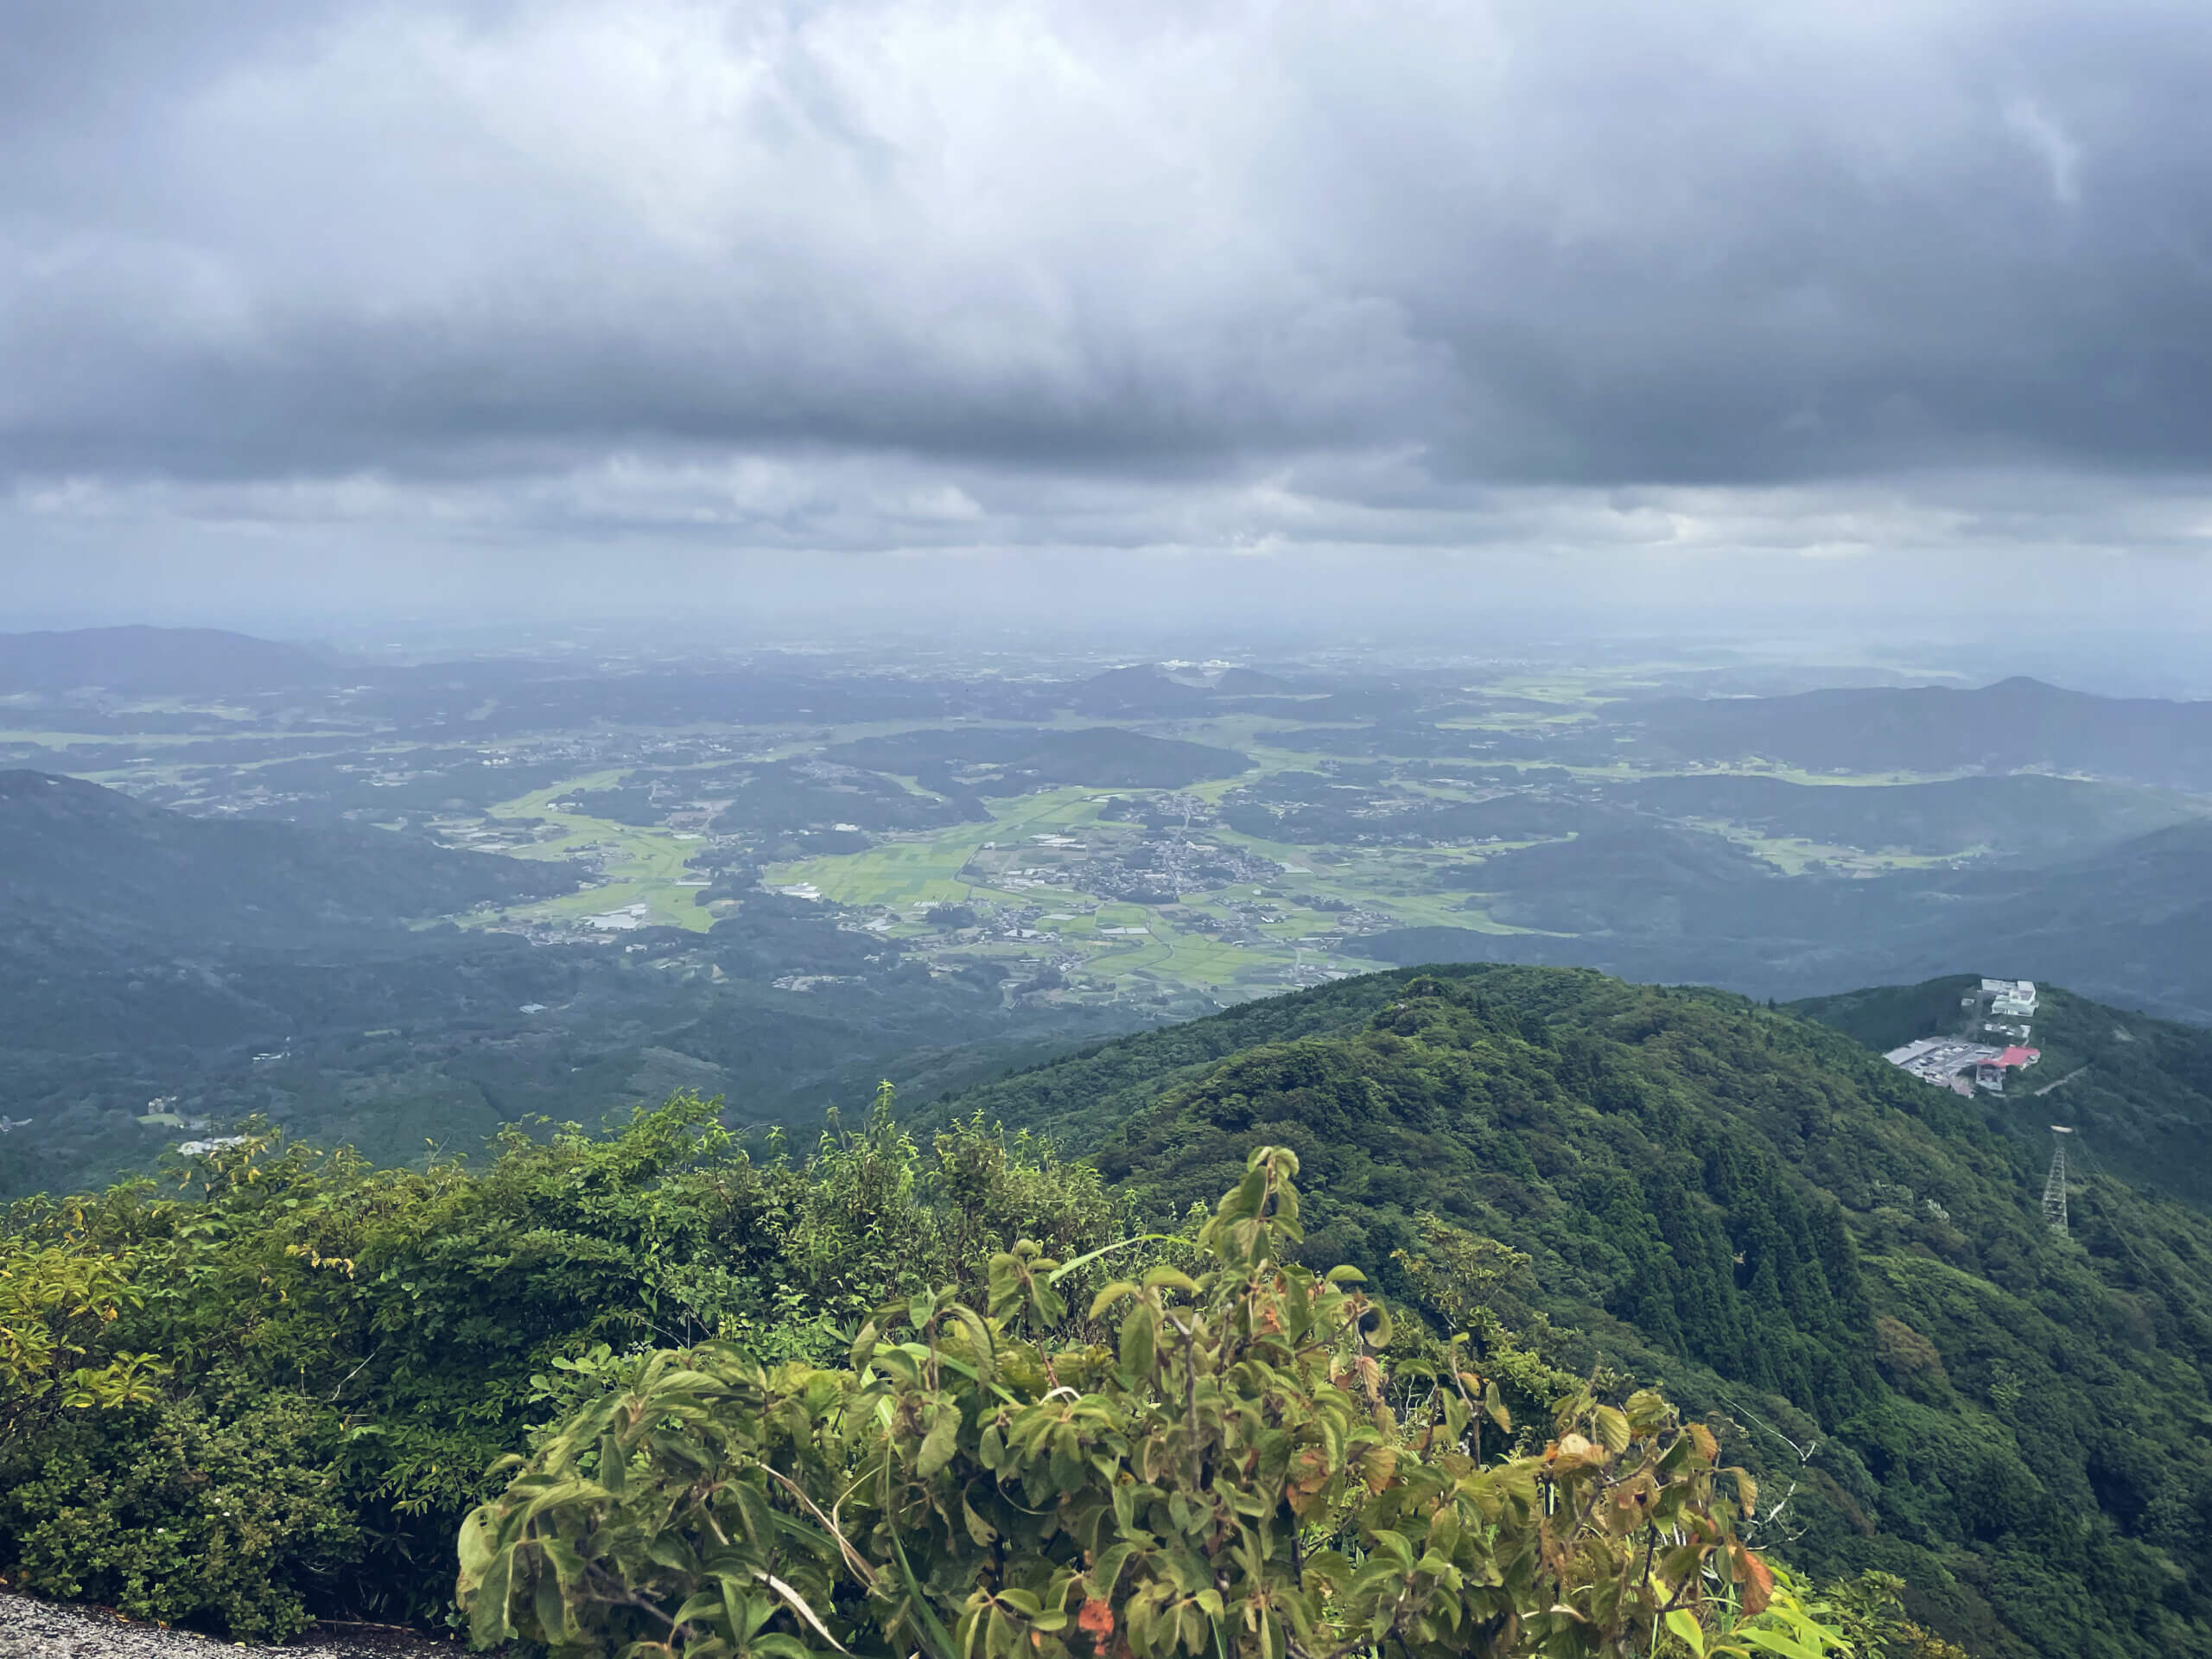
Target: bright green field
[642, 866]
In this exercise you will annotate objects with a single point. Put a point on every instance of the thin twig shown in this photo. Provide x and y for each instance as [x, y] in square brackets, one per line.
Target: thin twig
[854, 1559]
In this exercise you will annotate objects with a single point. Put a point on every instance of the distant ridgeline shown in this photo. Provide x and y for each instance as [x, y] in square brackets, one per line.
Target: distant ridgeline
[1849, 1263]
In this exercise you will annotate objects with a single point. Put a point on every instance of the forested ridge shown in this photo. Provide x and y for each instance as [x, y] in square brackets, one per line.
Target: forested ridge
[272, 1384]
[1763, 1214]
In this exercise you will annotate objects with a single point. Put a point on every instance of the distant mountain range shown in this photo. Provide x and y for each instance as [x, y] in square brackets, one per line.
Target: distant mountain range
[156, 662]
[1099, 756]
[2016, 725]
[2131, 922]
[2012, 726]
[2028, 816]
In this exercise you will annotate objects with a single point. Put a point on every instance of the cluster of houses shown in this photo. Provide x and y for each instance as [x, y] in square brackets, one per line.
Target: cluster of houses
[2000, 1007]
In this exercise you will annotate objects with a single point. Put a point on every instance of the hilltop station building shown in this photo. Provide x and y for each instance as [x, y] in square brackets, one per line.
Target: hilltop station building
[2001, 1008]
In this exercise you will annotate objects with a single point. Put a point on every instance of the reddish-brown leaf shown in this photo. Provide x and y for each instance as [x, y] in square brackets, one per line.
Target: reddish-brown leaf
[1758, 1580]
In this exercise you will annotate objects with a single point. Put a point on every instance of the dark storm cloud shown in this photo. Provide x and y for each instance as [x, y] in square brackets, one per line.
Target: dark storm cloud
[1527, 244]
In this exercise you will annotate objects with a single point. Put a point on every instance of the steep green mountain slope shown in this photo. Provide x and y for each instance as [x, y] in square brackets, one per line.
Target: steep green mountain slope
[1760, 1213]
[1084, 1098]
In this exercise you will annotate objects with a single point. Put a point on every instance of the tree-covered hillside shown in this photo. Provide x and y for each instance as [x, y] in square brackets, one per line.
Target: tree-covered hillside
[81, 859]
[1759, 1212]
[2136, 1091]
[1101, 756]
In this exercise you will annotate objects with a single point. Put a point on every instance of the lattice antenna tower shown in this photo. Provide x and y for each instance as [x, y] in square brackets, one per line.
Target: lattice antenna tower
[2054, 1186]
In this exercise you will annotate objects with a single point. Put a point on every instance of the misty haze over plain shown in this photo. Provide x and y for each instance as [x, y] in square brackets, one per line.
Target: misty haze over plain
[1879, 318]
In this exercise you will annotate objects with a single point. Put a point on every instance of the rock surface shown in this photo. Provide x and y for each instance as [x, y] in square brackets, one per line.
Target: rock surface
[30, 1628]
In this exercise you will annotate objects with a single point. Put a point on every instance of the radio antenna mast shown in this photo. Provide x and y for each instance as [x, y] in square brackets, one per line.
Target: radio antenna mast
[2054, 1186]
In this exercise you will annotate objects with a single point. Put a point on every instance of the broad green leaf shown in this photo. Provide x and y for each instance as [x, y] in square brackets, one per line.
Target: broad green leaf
[1494, 1404]
[1140, 1332]
[979, 1529]
[1767, 1641]
[488, 1621]
[1120, 1290]
[1683, 1626]
[475, 1547]
[941, 1442]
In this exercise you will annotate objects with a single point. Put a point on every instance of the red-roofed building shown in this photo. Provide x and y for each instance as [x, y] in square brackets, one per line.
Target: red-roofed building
[1990, 1073]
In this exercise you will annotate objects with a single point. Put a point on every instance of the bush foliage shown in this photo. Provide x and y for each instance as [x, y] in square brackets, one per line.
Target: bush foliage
[274, 1384]
[1222, 1471]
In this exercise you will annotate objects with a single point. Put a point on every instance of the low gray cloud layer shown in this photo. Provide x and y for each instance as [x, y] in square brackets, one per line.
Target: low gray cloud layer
[851, 276]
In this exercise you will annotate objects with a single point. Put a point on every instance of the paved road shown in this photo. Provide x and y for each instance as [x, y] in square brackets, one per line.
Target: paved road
[42, 1630]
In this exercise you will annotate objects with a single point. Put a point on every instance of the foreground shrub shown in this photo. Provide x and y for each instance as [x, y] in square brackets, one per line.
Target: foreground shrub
[171, 1513]
[1227, 1467]
[270, 1383]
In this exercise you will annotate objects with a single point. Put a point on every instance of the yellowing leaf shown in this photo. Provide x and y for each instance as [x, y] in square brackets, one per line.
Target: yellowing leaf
[1613, 1429]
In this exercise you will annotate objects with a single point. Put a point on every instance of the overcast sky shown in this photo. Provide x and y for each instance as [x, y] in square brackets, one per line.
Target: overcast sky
[405, 305]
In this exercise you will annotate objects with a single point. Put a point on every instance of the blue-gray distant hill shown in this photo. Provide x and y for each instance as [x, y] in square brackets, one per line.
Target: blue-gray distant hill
[1147, 690]
[1103, 756]
[77, 856]
[2130, 922]
[156, 662]
[2027, 815]
[1143, 689]
[2014, 725]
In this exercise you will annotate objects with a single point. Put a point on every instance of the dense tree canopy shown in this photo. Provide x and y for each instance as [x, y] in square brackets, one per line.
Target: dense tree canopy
[1759, 1213]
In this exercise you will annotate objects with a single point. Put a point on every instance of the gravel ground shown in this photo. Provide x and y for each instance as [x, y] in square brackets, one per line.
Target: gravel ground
[30, 1628]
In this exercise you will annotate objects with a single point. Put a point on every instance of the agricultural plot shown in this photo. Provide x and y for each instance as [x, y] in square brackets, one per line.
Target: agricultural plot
[1012, 866]
[1795, 855]
[638, 866]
